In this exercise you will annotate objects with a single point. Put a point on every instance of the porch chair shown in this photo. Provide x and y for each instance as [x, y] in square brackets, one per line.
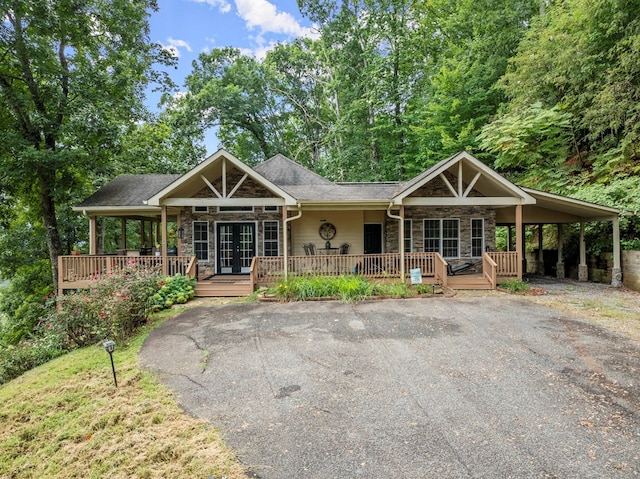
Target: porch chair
[309, 249]
[344, 248]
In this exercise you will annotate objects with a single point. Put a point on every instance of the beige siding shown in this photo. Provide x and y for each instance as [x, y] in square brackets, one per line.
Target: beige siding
[349, 229]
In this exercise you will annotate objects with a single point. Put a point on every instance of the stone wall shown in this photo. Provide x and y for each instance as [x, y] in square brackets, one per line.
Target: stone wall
[631, 269]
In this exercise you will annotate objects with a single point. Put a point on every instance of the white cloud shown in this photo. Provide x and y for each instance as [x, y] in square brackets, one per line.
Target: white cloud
[263, 14]
[173, 46]
[222, 5]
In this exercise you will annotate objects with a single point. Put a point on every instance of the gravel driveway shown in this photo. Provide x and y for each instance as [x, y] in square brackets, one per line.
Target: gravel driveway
[464, 387]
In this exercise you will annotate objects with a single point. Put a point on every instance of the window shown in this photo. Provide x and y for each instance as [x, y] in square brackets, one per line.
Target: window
[270, 208]
[234, 209]
[201, 240]
[201, 209]
[408, 239]
[442, 236]
[270, 241]
[477, 237]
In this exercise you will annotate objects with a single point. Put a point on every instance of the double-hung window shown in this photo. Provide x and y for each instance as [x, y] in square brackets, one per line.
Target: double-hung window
[270, 241]
[477, 237]
[442, 236]
[201, 240]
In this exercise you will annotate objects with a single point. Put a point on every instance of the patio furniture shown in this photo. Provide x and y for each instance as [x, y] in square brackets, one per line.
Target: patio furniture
[344, 248]
[309, 249]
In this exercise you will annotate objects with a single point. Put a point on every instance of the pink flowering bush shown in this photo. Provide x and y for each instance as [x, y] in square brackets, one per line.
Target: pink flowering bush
[113, 307]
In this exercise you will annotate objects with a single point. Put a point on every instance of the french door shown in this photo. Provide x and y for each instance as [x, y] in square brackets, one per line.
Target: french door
[236, 247]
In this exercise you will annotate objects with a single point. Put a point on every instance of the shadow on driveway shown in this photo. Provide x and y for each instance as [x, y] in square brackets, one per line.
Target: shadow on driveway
[489, 387]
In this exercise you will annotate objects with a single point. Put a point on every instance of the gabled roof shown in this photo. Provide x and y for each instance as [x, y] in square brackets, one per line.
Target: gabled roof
[214, 165]
[472, 172]
[285, 172]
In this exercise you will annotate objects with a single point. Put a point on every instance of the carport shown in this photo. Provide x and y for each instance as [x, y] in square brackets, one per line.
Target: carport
[560, 210]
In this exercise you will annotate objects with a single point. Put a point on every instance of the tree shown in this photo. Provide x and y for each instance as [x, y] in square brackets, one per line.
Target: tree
[72, 78]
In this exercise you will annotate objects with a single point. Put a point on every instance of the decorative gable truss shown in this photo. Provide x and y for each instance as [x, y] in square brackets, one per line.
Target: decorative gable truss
[461, 181]
[221, 180]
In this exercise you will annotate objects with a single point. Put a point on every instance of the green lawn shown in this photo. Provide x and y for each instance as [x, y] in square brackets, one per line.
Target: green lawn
[66, 419]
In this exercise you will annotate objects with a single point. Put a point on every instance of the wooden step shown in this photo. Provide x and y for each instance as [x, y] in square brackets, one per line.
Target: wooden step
[468, 282]
[226, 289]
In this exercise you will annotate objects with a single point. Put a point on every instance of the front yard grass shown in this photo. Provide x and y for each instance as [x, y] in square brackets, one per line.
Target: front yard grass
[66, 419]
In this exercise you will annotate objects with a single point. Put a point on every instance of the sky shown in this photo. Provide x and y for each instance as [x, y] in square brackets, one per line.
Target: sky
[190, 27]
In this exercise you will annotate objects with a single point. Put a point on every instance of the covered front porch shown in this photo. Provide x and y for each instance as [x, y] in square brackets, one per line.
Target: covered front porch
[77, 272]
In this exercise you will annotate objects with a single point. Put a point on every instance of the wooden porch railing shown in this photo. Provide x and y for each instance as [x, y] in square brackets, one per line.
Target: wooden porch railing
[489, 269]
[269, 269]
[506, 262]
[79, 271]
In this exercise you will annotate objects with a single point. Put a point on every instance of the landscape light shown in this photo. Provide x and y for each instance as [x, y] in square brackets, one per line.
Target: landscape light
[110, 346]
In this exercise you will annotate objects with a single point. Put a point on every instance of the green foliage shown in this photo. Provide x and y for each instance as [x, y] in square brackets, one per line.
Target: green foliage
[531, 145]
[515, 286]
[346, 288]
[172, 290]
[113, 307]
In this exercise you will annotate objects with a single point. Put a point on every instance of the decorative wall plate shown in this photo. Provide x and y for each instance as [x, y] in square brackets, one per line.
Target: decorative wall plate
[327, 231]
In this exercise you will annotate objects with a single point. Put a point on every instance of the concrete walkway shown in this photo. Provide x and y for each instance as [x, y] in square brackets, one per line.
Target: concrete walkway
[491, 387]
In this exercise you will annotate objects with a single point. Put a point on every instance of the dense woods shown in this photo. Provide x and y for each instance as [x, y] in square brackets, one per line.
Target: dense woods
[546, 91]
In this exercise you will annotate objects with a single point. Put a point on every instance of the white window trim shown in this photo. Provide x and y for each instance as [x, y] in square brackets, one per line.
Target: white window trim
[193, 240]
[264, 241]
[270, 209]
[194, 209]
[442, 238]
[472, 237]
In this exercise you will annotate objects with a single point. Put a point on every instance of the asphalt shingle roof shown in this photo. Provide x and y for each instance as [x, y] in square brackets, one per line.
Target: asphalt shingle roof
[128, 190]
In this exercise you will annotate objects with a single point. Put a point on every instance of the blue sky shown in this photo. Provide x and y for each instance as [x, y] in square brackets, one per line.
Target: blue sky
[189, 27]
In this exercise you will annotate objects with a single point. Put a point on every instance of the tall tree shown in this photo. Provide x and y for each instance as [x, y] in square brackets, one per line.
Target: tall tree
[72, 77]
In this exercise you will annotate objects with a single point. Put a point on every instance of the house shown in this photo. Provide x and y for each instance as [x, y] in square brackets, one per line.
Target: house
[240, 226]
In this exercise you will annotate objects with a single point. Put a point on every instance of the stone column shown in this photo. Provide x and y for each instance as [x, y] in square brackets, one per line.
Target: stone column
[616, 271]
[560, 274]
[583, 270]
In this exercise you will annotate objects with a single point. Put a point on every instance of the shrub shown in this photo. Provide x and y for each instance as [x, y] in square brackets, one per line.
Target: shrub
[515, 286]
[111, 308]
[347, 288]
[172, 290]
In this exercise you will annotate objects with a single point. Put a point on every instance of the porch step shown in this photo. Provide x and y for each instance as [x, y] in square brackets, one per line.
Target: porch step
[209, 289]
[468, 282]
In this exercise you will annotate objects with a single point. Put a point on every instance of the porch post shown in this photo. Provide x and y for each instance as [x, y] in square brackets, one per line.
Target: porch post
[401, 245]
[519, 242]
[93, 239]
[178, 226]
[560, 263]
[540, 259]
[616, 271]
[509, 238]
[163, 247]
[285, 241]
[583, 271]
[123, 234]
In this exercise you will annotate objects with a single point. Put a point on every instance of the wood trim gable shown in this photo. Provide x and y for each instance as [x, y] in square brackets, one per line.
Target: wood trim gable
[162, 197]
[460, 193]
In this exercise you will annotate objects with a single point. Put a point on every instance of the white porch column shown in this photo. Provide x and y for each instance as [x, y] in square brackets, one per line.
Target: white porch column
[519, 240]
[285, 241]
[93, 239]
[583, 270]
[616, 271]
[163, 247]
[560, 273]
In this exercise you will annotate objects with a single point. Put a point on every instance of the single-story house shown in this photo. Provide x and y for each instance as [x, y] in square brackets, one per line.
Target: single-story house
[238, 227]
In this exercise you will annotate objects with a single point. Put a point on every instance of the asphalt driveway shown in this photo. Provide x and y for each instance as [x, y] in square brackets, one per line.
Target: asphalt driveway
[475, 387]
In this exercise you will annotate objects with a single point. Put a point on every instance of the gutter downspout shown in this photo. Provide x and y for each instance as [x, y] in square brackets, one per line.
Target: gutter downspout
[286, 236]
[400, 218]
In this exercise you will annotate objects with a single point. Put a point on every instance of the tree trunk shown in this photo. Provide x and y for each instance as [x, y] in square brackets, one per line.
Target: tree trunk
[47, 204]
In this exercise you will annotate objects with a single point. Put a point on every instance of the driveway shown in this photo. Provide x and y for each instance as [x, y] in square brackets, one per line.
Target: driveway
[472, 387]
